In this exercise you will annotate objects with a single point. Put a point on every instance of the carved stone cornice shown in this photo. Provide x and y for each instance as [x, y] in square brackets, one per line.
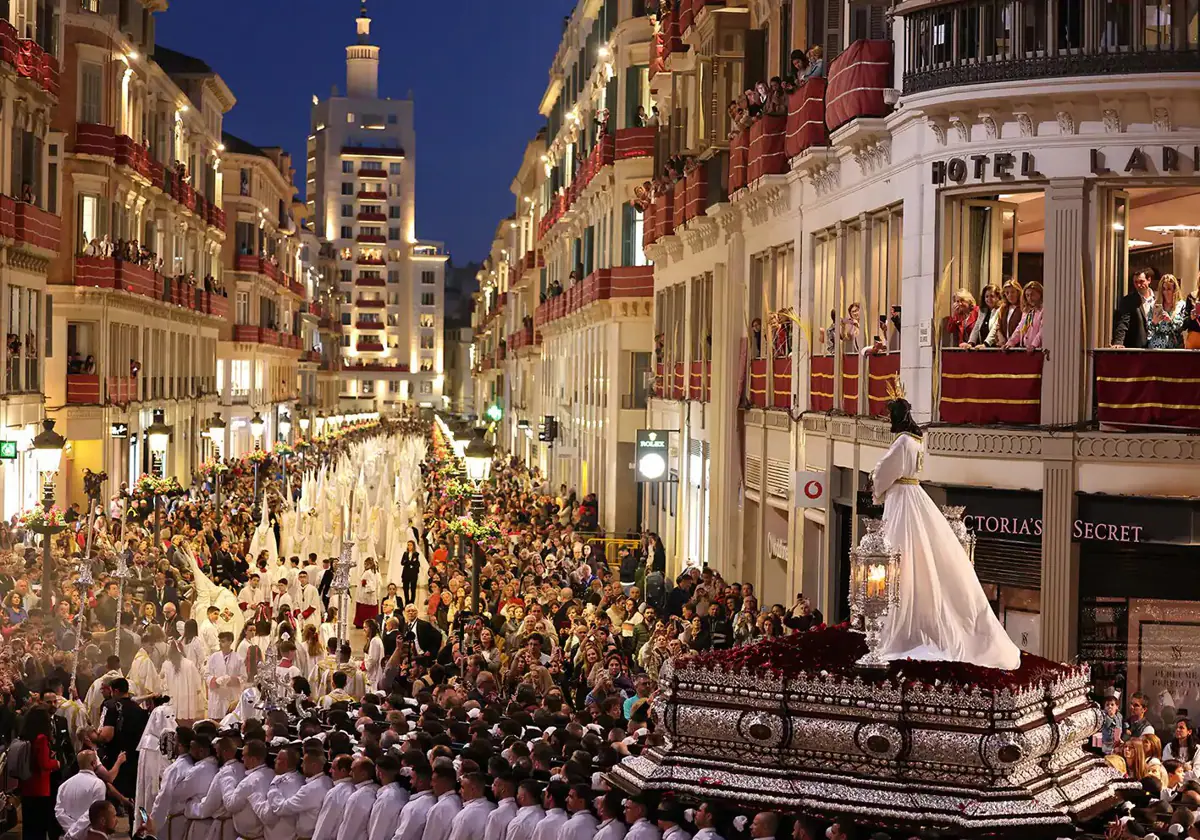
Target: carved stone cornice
[673, 245]
[815, 423]
[27, 261]
[1140, 448]
[983, 443]
[729, 218]
[656, 252]
[702, 233]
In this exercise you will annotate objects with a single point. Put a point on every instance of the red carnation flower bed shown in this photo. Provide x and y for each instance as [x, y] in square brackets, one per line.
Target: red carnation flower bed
[835, 650]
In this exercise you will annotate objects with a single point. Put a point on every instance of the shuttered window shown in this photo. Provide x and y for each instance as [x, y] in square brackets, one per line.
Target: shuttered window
[90, 95]
[1008, 562]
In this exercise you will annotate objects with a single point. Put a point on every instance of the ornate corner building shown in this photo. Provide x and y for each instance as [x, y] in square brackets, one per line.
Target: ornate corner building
[806, 260]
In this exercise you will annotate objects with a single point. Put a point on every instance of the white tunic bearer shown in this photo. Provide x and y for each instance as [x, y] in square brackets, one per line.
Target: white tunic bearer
[226, 673]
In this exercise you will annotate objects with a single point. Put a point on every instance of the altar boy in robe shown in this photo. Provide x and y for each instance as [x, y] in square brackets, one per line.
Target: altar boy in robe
[309, 601]
[226, 673]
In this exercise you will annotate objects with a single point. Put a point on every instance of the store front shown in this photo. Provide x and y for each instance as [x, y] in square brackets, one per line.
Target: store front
[22, 485]
[698, 513]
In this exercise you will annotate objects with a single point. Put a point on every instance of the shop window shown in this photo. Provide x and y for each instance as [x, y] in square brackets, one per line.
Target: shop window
[347, 167]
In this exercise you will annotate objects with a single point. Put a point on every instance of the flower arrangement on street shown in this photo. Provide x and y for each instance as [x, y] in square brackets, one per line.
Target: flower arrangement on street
[458, 489]
[258, 456]
[39, 517]
[210, 468]
[283, 449]
[478, 531]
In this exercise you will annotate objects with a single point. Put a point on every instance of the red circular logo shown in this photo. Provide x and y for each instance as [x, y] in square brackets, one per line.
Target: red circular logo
[813, 489]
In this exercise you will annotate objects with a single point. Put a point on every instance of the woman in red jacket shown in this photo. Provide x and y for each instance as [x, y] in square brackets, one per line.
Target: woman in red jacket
[37, 805]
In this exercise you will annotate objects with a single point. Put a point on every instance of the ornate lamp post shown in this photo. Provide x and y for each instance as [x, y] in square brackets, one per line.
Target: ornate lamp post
[285, 428]
[216, 434]
[122, 574]
[478, 455]
[47, 452]
[340, 586]
[256, 430]
[158, 435]
[874, 588]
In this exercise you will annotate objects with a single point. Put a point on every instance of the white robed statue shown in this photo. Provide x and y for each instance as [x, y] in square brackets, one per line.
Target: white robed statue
[942, 613]
[209, 594]
[264, 538]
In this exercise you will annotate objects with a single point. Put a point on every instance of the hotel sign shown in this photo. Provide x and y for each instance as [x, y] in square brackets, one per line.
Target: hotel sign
[1166, 159]
[1001, 166]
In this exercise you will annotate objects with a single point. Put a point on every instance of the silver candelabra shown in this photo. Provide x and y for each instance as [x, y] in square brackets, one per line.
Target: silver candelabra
[341, 587]
[874, 588]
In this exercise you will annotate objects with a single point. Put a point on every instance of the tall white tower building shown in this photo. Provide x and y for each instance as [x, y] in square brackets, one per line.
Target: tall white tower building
[361, 197]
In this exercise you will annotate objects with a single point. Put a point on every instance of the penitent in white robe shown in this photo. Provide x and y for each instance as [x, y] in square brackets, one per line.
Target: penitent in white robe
[943, 614]
[184, 685]
[143, 676]
[151, 762]
[226, 674]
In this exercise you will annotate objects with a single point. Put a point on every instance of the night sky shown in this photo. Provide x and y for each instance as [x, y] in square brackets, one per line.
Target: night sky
[477, 70]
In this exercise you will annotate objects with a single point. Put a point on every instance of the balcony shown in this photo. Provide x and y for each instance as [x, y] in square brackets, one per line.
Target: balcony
[1098, 38]
[374, 174]
[119, 275]
[34, 227]
[83, 389]
[363, 259]
[695, 193]
[373, 151]
[771, 383]
[982, 387]
[93, 139]
[766, 151]
[372, 238]
[664, 219]
[369, 325]
[250, 263]
[376, 367]
[806, 118]
[739, 152]
[364, 345]
[370, 216]
[604, 284]
[32, 62]
[370, 282]
[122, 390]
[700, 381]
[1132, 392]
[367, 303]
[524, 338]
[246, 333]
[372, 195]
[635, 142]
[133, 155]
[857, 79]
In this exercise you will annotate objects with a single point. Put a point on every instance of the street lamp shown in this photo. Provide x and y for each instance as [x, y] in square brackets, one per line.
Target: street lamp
[216, 434]
[285, 427]
[478, 457]
[47, 452]
[304, 425]
[158, 435]
[256, 429]
[319, 424]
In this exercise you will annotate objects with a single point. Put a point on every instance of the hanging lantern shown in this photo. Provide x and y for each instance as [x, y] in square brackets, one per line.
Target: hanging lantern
[874, 588]
[954, 515]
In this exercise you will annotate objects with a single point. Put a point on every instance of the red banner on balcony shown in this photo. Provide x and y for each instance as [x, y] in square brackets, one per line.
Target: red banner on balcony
[820, 383]
[83, 389]
[635, 142]
[696, 193]
[739, 150]
[97, 272]
[767, 156]
[781, 383]
[649, 228]
[857, 79]
[29, 60]
[679, 382]
[850, 383]
[36, 227]
[631, 281]
[121, 389]
[679, 203]
[659, 383]
[981, 387]
[8, 43]
[92, 139]
[664, 219]
[758, 383]
[806, 117]
[1148, 388]
[883, 372]
[696, 381]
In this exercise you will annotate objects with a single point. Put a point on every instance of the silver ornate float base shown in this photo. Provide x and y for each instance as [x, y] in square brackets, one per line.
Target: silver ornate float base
[881, 747]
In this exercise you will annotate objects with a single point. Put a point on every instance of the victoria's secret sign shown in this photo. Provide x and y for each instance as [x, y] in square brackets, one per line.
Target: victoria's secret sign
[1021, 526]
[1017, 515]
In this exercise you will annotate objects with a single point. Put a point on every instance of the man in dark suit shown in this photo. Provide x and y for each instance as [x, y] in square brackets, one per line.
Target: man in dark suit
[410, 570]
[326, 583]
[222, 564]
[1134, 311]
[162, 593]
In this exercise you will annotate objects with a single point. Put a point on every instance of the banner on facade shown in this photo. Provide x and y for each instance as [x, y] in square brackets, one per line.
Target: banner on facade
[811, 489]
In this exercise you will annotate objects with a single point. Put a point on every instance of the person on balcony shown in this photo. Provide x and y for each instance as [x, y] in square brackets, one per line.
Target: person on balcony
[1029, 335]
[1134, 312]
[1166, 317]
[850, 330]
[641, 118]
[816, 64]
[776, 104]
[1191, 324]
[983, 333]
[963, 315]
[799, 74]
[1009, 317]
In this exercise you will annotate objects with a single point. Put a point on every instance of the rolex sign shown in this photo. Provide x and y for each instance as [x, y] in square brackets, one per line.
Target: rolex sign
[652, 449]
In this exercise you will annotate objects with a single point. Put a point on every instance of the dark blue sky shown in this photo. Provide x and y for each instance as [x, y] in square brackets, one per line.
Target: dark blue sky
[477, 69]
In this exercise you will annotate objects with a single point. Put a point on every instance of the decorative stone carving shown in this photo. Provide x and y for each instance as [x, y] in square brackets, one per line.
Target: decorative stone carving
[962, 127]
[826, 179]
[873, 157]
[1026, 121]
[1162, 118]
[938, 125]
[1112, 121]
[1066, 122]
[1121, 447]
[981, 443]
[991, 126]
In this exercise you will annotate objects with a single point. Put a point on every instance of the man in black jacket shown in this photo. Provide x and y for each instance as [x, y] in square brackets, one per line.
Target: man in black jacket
[162, 593]
[222, 564]
[1134, 311]
[410, 570]
[326, 584]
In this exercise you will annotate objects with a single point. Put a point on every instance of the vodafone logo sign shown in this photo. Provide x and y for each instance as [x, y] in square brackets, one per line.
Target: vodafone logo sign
[811, 489]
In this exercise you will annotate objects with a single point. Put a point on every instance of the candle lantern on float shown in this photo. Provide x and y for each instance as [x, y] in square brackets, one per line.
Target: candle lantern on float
[874, 588]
